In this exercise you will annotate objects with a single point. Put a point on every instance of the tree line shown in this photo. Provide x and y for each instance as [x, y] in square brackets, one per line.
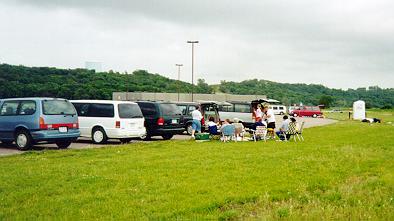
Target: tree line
[22, 81]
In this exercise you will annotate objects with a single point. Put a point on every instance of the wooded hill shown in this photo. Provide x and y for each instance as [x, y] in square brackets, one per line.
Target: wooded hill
[21, 81]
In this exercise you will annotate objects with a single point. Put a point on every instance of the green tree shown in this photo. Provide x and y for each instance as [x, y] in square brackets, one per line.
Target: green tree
[326, 100]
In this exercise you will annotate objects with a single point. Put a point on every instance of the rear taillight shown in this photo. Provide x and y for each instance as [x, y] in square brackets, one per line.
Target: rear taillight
[76, 126]
[160, 121]
[117, 124]
[43, 126]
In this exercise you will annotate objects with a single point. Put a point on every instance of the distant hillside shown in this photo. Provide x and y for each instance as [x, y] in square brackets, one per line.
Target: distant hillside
[21, 81]
[312, 94]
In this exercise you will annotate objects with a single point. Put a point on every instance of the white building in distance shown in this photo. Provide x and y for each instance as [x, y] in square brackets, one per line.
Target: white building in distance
[92, 65]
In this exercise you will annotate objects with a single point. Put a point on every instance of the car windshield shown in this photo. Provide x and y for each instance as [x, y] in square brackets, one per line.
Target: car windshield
[58, 107]
[129, 111]
[170, 109]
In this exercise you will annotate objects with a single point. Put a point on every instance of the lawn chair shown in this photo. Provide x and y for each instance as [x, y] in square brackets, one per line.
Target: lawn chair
[291, 131]
[299, 132]
[271, 133]
[260, 132]
[239, 130]
[228, 133]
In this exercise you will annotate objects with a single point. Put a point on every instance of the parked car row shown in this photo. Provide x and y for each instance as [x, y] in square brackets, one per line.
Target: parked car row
[27, 121]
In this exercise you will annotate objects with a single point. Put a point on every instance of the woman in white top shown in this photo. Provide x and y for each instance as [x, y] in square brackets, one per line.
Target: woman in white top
[270, 117]
[196, 123]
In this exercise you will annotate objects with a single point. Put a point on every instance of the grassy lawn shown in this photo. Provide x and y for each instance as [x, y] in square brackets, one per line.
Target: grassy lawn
[341, 171]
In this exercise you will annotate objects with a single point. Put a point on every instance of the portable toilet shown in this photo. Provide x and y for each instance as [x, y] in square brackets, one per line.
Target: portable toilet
[359, 110]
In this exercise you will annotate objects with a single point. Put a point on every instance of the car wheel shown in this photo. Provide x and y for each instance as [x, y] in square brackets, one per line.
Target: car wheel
[99, 136]
[146, 137]
[281, 113]
[167, 136]
[63, 144]
[189, 129]
[23, 140]
[125, 140]
[295, 115]
[314, 116]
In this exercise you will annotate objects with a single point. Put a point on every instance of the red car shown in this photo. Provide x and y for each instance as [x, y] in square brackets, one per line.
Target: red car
[307, 111]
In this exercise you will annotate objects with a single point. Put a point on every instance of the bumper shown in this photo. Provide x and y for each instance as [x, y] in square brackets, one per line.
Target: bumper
[53, 135]
[124, 133]
[163, 131]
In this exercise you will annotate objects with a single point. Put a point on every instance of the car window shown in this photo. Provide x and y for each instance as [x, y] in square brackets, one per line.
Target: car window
[27, 108]
[58, 107]
[169, 109]
[226, 108]
[129, 111]
[148, 109]
[183, 109]
[316, 108]
[82, 109]
[101, 110]
[242, 108]
[275, 108]
[9, 108]
[280, 108]
[191, 109]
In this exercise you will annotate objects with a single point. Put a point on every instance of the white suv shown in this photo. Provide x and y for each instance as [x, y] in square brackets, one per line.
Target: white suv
[103, 119]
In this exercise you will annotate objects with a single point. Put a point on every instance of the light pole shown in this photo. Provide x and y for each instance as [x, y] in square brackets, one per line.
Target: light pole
[179, 76]
[192, 42]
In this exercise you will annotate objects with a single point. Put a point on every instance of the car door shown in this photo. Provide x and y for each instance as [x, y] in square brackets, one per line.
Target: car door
[85, 123]
[150, 113]
[28, 115]
[8, 119]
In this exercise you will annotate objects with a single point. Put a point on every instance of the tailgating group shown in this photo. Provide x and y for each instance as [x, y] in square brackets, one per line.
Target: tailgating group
[264, 126]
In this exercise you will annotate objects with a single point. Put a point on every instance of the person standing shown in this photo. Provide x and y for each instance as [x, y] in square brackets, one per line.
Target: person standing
[269, 116]
[196, 123]
[258, 117]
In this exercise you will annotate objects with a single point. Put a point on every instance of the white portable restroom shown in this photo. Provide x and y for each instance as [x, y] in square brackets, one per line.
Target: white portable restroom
[359, 110]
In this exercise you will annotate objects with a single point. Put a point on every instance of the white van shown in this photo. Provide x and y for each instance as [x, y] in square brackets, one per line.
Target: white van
[278, 109]
[103, 119]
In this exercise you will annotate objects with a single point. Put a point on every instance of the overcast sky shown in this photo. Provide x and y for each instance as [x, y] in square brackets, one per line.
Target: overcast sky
[336, 43]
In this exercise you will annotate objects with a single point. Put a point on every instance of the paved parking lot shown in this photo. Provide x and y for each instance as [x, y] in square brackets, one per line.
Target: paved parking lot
[84, 143]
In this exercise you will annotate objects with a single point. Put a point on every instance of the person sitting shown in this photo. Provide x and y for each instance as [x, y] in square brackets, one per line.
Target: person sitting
[239, 128]
[212, 126]
[283, 128]
[294, 121]
[227, 130]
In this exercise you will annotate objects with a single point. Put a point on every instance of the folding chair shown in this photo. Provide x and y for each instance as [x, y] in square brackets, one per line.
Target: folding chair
[239, 130]
[291, 131]
[261, 131]
[299, 132]
[228, 133]
[271, 133]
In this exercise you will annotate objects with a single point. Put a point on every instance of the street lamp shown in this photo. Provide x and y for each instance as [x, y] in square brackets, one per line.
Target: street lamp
[192, 42]
[179, 76]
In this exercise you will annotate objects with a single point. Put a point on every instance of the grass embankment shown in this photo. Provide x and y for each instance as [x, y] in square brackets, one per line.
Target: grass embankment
[341, 171]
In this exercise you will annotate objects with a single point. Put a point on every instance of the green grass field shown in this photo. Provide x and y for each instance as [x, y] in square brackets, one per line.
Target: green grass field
[341, 171]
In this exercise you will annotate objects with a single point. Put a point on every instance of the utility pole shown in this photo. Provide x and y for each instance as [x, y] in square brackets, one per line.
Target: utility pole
[179, 77]
[192, 42]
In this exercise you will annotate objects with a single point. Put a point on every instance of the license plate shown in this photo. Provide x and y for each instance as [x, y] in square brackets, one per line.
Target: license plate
[63, 129]
[174, 121]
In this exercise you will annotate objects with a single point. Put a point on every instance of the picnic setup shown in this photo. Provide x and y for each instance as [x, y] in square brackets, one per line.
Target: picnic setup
[263, 128]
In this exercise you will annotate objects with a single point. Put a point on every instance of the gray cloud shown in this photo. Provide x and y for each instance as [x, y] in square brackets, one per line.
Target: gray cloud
[335, 43]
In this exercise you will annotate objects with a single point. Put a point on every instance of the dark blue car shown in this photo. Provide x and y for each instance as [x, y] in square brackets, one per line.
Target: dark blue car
[27, 121]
